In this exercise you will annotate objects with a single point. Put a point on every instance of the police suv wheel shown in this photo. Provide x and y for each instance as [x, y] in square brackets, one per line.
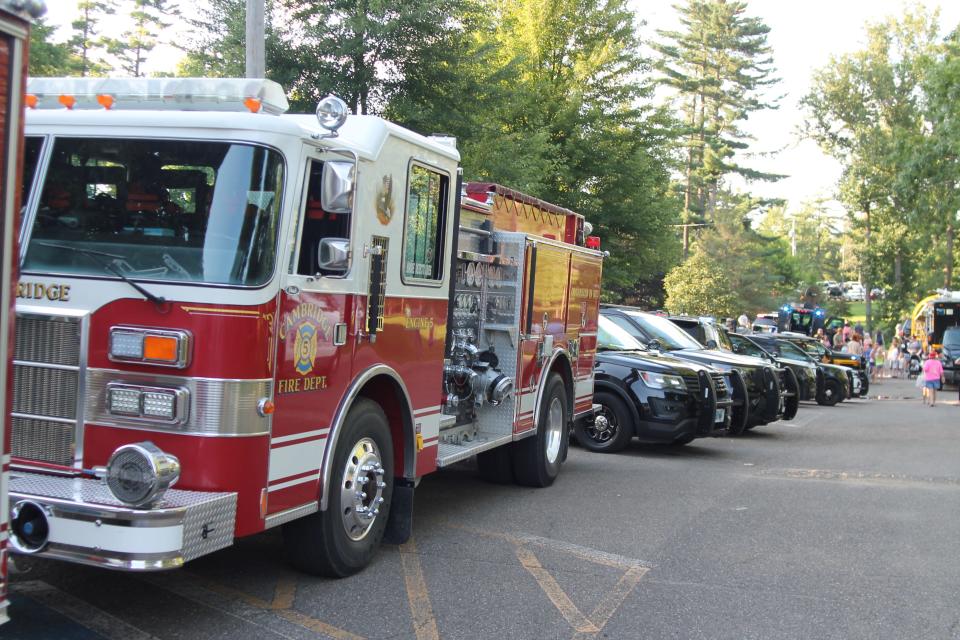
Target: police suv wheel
[537, 459]
[611, 428]
[343, 539]
[831, 393]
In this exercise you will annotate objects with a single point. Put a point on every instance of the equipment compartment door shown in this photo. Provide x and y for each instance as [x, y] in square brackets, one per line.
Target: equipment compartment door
[544, 321]
[582, 312]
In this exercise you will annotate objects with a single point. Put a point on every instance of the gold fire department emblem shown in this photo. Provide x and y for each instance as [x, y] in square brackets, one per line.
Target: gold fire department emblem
[384, 204]
[306, 348]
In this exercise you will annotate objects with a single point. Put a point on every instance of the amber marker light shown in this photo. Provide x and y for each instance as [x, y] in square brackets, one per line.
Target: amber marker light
[252, 104]
[30, 100]
[105, 100]
[67, 101]
[161, 348]
[265, 407]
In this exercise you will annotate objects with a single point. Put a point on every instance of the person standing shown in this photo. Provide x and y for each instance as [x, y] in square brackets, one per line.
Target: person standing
[847, 330]
[854, 346]
[878, 340]
[932, 377]
[893, 358]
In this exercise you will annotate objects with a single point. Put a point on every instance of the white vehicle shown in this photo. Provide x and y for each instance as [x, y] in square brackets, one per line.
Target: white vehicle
[854, 291]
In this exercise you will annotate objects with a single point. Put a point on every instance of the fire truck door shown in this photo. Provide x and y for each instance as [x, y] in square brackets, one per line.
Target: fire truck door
[314, 351]
[543, 321]
[582, 311]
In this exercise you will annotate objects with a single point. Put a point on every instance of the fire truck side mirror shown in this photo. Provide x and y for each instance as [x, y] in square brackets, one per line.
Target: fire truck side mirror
[334, 255]
[336, 194]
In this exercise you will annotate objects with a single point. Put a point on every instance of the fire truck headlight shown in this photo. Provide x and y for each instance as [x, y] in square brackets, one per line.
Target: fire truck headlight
[124, 401]
[159, 404]
[126, 344]
[148, 403]
[332, 113]
[139, 474]
[161, 347]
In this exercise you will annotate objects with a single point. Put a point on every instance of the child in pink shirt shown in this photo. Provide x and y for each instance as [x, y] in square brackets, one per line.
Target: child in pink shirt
[932, 377]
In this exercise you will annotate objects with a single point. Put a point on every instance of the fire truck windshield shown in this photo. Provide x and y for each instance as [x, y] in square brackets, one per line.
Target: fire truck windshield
[180, 210]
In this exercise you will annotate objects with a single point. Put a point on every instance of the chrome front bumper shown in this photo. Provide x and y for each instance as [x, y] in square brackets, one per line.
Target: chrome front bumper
[88, 525]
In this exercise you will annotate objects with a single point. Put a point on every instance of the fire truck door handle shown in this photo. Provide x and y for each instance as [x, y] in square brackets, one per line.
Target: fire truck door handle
[340, 334]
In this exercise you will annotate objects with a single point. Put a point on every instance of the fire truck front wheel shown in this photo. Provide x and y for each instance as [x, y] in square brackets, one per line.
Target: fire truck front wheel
[537, 459]
[343, 539]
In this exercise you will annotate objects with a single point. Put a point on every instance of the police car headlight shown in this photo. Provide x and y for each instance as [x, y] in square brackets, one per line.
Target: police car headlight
[139, 474]
[662, 381]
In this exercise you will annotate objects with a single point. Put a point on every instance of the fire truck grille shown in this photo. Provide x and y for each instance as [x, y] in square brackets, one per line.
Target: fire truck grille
[43, 440]
[48, 340]
[46, 378]
[39, 391]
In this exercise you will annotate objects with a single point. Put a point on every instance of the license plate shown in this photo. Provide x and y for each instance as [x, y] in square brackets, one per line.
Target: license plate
[720, 415]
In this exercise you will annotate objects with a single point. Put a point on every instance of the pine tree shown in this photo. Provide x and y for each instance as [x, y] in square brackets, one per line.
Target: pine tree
[87, 45]
[148, 21]
[48, 58]
[720, 66]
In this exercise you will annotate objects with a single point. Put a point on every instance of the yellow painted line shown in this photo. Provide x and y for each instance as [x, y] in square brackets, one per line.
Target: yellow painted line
[284, 594]
[221, 311]
[315, 625]
[424, 622]
[80, 611]
[282, 600]
[555, 592]
[612, 600]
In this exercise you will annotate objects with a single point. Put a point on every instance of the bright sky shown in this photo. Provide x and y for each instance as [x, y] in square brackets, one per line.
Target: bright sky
[803, 36]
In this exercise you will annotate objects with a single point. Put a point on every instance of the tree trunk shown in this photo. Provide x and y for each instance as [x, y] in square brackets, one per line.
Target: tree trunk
[865, 270]
[898, 268]
[948, 258]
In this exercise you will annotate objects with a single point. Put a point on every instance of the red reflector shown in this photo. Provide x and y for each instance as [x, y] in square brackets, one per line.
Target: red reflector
[593, 242]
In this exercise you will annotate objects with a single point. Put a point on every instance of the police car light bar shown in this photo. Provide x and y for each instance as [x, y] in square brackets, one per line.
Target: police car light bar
[184, 94]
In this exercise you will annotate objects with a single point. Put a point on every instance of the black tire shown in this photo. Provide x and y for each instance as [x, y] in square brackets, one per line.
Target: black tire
[496, 465]
[739, 414]
[537, 459]
[320, 544]
[613, 426]
[791, 404]
[831, 393]
[864, 385]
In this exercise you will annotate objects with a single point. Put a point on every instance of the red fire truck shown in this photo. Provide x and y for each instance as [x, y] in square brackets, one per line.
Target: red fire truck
[230, 318]
[14, 30]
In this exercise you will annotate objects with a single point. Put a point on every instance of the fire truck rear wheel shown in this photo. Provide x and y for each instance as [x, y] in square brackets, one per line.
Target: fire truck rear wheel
[343, 539]
[537, 459]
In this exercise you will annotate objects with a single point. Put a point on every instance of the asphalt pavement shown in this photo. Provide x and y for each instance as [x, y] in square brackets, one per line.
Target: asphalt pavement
[840, 524]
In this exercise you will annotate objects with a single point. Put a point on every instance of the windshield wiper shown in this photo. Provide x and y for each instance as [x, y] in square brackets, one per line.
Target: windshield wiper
[97, 256]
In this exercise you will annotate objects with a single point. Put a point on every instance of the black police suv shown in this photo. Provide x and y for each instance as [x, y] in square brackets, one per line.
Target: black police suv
[649, 396]
[757, 394]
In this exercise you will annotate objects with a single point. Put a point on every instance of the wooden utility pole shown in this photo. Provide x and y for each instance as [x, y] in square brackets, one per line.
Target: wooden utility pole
[256, 57]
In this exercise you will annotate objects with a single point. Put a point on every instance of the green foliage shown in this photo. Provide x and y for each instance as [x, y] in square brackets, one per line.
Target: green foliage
[148, 19]
[871, 110]
[759, 268]
[217, 49]
[697, 287]
[48, 58]
[720, 65]
[87, 46]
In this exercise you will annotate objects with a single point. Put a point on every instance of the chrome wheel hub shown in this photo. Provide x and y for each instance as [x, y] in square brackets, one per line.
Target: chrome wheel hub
[604, 426]
[361, 489]
[554, 430]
